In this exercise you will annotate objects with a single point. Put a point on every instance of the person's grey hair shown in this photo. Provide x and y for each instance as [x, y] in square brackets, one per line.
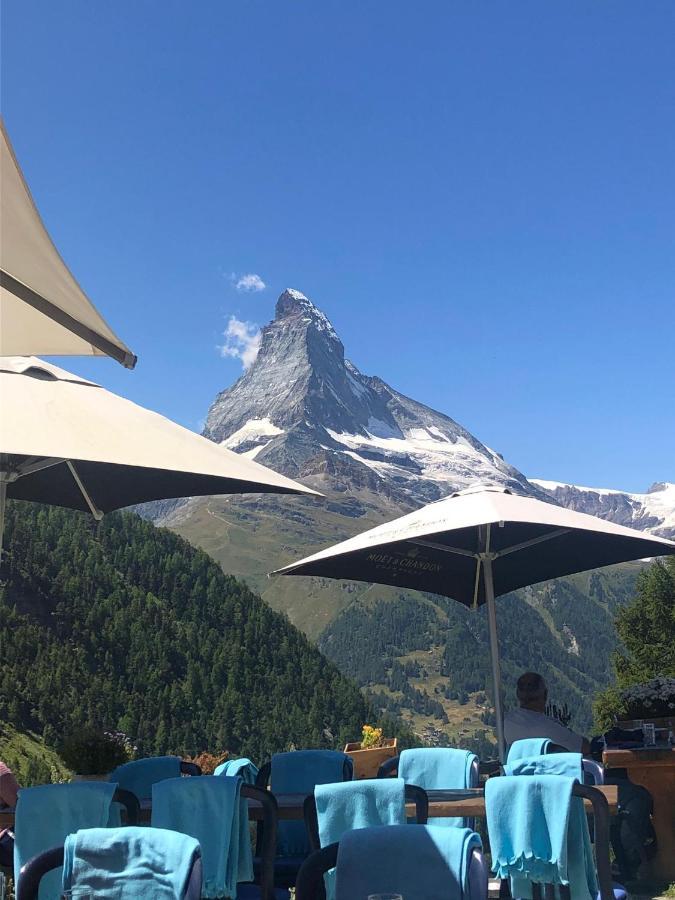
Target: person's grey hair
[531, 688]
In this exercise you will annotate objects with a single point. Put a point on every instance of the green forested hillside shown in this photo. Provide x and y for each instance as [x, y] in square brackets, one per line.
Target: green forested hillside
[129, 627]
[416, 652]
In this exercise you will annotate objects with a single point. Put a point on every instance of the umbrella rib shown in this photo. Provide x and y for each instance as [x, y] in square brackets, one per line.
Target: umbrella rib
[30, 468]
[95, 511]
[58, 315]
[434, 546]
[538, 540]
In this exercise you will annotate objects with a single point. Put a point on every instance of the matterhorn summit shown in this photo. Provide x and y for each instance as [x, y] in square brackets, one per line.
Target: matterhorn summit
[304, 409]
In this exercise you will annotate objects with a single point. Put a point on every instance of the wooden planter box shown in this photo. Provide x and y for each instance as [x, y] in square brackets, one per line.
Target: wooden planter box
[367, 762]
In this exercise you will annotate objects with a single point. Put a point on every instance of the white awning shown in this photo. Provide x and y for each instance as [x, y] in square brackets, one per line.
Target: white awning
[43, 310]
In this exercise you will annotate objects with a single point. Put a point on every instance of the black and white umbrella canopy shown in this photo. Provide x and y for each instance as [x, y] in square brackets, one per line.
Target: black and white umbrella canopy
[440, 547]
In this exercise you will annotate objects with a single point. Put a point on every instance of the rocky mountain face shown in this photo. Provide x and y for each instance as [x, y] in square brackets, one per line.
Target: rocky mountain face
[653, 511]
[304, 409]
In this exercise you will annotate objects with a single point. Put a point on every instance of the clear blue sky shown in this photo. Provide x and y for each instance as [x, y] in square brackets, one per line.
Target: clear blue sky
[480, 195]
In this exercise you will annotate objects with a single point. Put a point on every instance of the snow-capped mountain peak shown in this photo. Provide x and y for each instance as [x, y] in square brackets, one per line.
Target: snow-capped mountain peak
[303, 408]
[653, 511]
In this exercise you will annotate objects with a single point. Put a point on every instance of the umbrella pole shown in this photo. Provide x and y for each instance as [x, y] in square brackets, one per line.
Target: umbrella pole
[3, 503]
[494, 651]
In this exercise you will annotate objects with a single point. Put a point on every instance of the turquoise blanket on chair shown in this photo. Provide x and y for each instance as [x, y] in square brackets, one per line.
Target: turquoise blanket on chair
[127, 863]
[244, 768]
[527, 747]
[356, 804]
[47, 814]
[538, 830]
[211, 810]
[438, 768]
[420, 862]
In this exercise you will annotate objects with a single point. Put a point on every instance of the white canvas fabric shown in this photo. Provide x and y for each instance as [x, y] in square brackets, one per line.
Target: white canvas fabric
[122, 453]
[43, 310]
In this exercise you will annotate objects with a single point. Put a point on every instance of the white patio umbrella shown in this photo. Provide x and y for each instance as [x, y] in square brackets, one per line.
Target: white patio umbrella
[69, 442]
[477, 545]
[43, 310]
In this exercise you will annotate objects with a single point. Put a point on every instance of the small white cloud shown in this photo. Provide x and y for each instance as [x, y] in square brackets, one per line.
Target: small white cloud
[242, 341]
[248, 284]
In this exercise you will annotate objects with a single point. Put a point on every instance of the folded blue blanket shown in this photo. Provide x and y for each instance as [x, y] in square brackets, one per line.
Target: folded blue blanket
[569, 764]
[538, 831]
[244, 768]
[356, 804]
[127, 863]
[420, 862]
[438, 768]
[139, 775]
[300, 772]
[527, 747]
[211, 810]
[47, 814]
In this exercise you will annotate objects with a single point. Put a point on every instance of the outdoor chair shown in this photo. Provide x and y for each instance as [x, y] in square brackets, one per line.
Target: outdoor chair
[286, 867]
[311, 886]
[130, 810]
[211, 811]
[413, 794]
[36, 868]
[139, 775]
[607, 890]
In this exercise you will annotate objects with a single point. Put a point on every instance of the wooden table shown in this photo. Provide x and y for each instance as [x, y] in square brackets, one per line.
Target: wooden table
[655, 770]
[291, 807]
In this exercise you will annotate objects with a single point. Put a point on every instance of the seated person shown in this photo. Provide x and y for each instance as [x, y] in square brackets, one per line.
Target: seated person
[531, 721]
[9, 789]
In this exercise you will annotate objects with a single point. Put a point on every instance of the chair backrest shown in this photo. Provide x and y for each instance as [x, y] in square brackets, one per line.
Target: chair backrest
[593, 771]
[389, 769]
[310, 883]
[139, 775]
[265, 772]
[293, 833]
[33, 871]
[413, 794]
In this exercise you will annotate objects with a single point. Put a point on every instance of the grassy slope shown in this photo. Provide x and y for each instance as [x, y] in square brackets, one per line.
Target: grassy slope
[251, 537]
[29, 759]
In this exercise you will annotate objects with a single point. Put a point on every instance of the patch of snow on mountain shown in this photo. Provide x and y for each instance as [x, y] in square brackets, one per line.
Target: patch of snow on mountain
[254, 430]
[418, 454]
[297, 295]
